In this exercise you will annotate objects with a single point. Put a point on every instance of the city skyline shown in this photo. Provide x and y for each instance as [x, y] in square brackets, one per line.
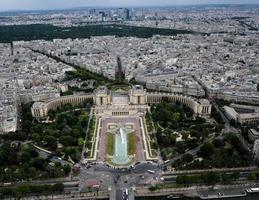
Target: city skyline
[129, 99]
[66, 4]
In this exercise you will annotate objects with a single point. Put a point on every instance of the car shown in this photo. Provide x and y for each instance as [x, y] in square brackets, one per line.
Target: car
[142, 176]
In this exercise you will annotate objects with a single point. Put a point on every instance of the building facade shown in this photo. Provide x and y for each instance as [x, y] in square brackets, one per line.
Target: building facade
[122, 103]
[242, 114]
[40, 110]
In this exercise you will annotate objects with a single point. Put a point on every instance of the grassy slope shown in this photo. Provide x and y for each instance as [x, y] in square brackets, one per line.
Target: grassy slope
[132, 143]
[110, 144]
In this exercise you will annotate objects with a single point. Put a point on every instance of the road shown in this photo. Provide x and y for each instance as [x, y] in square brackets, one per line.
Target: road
[119, 179]
[198, 171]
[119, 194]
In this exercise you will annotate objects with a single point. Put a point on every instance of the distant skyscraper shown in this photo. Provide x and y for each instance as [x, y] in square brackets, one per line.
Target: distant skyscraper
[127, 14]
[92, 11]
[124, 13]
[102, 14]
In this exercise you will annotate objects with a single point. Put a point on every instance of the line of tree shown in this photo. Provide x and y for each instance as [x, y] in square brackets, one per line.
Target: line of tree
[208, 178]
[27, 189]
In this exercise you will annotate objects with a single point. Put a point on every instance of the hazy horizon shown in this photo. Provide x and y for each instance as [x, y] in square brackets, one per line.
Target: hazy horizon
[26, 5]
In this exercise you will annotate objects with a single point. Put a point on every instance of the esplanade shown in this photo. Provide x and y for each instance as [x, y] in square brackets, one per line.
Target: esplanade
[121, 102]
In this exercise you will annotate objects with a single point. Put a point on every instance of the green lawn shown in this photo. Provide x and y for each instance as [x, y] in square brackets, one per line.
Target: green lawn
[110, 144]
[132, 143]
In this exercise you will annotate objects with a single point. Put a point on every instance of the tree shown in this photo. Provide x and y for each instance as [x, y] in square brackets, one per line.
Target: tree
[54, 172]
[176, 117]
[226, 178]
[4, 152]
[38, 128]
[76, 132]
[69, 150]
[67, 169]
[180, 147]
[67, 140]
[26, 125]
[50, 142]
[211, 178]
[51, 114]
[84, 120]
[200, 120]
[51, 132]
[32, 171]
[24, 157]
[252, 176]
[235, 175]
[58, 187]
[187, 157]
[163, 116]
[181, 179]
[36, 137]
[185, 136]
[80, 142]
[39, 163]
[206, 150]
[33, 152]
[218, 143]
[232, 138]
[191, 143]
[172, 139]
[205, 132]
[195, 133]
[153, 188]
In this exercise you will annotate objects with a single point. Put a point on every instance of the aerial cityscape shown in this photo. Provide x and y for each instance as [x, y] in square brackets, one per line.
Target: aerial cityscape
[129, 100]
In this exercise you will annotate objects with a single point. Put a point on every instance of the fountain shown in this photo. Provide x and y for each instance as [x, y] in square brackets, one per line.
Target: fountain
[121, 156]
[122, 133]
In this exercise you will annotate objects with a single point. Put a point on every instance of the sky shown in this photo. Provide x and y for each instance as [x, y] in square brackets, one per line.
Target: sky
[64, 4]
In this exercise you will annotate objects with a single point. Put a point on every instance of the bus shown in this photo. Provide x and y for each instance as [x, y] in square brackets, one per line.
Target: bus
[151, 171]
[167, 161]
